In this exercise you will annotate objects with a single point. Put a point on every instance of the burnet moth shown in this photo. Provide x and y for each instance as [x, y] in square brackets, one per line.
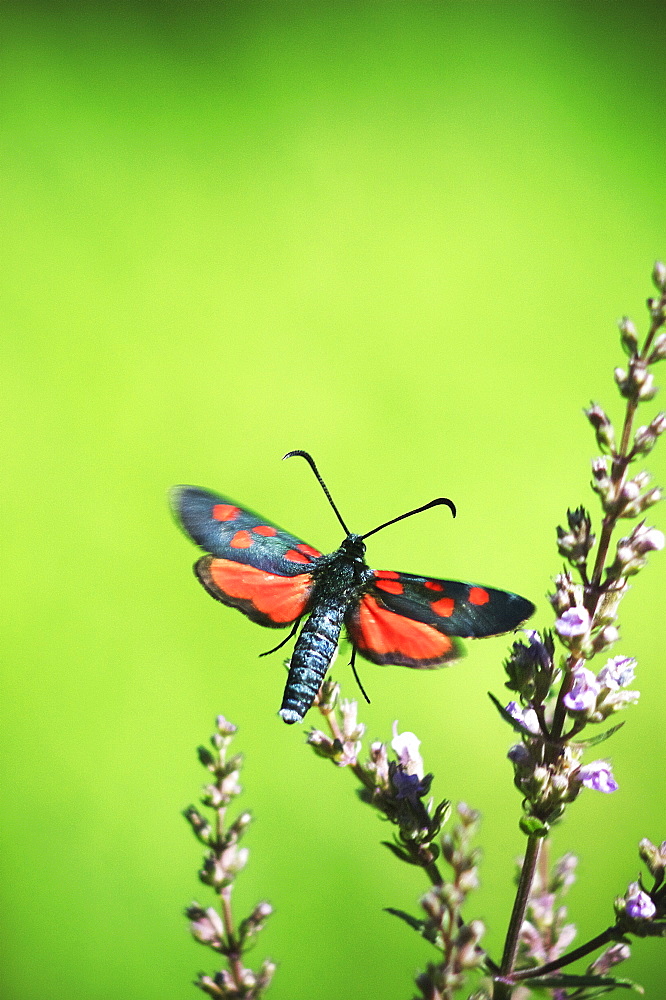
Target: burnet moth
[277, 580]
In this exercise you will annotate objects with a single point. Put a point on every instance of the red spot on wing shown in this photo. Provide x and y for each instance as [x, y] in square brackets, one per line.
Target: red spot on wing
[477, 595]
[433, 585]
[444, 607]
[265, 529]
[388, 637]
[307, 550]
[298, 557]
[241, 540]
[390, 586]
[387, 574]
[225, 512]
[283, 599]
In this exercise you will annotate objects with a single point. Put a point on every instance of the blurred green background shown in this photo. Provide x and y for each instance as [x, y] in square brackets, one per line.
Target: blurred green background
[398, 235]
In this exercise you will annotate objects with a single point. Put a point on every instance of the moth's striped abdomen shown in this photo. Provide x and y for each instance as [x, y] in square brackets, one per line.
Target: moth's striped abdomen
[311, 658]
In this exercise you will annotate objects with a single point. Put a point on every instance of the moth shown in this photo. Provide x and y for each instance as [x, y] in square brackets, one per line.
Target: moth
[278, 581]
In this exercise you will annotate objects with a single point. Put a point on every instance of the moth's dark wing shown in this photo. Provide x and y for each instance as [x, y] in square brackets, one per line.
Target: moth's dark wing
[231, 532]
[268, 599]
[452, 608]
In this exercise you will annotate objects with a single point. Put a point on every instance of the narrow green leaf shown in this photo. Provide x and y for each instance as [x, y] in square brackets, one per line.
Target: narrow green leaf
[398, 851]
[416, 924]
[563, 979]
[595, 740]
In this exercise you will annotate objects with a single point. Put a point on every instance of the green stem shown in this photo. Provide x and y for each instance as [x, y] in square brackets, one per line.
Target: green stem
[503, 990]
[610, 934]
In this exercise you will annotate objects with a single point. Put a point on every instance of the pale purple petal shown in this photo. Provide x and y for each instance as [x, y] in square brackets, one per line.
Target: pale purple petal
[584, 691]
[617, 673]
[639, 904]
[598, 776]
[526, 716]
[575, 621]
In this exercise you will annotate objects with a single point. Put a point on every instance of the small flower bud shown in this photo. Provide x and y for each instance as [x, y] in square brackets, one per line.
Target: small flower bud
[628, 336]
[213, 797]
[225, 727]
[199, 824]
[564, 873]
[328, 695]
[206, 758]
[621, 379]
[322, 744]
[567, 594]
[648, 390]
[576, 543]
[351, 728]
[604, 639]
[658, 352]
[644, 539]
[266, 973]
[659, 275]
[637, 383]
[602, 426]
[467, 944]
[250, 927]
[607, 959]
[239, 826]
[654, 857]
[208, 985]
[206, 925]
[646, 437]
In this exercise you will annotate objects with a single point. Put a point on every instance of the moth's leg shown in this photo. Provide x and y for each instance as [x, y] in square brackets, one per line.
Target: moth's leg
[358, 679]
[293, 632]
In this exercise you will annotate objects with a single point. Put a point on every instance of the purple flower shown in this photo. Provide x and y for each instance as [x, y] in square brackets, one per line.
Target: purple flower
[618, 672]
[639, 905]
[527, 717]
[584, 691]
[597, 776]
[538, 649]
[575, 621]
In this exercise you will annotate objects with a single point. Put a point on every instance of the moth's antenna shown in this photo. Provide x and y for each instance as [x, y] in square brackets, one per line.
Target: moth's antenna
[417, 510]
[310, 460]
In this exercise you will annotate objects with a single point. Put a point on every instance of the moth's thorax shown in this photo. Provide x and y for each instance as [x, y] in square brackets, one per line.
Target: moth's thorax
[343, 572]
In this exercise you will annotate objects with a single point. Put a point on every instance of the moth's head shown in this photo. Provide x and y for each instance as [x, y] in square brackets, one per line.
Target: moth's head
[354, 548]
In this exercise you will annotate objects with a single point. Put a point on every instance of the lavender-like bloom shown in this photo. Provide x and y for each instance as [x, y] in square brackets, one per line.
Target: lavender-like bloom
[584, 691]
[572, 623]
[222, 863]
[618, 672]
[598, 776]
[639, 906]
[527, 717]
